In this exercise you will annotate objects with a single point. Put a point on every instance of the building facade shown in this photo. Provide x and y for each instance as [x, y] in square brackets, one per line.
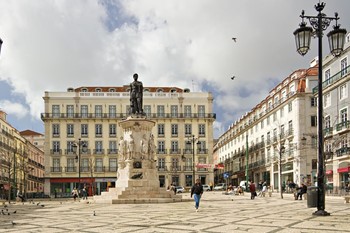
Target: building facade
[90, 116]
[279, 132]
[21, 163]
[336, 102]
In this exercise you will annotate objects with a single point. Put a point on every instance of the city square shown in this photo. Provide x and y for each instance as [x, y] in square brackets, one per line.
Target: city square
[115, 127]
[217, 213]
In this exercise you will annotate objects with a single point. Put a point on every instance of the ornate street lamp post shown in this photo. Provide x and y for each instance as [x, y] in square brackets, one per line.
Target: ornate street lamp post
[336, 40]
[78, 147]
[0, 44]
[189, 142]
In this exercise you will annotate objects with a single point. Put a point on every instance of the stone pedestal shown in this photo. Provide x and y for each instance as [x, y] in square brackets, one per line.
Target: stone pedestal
[137, 176]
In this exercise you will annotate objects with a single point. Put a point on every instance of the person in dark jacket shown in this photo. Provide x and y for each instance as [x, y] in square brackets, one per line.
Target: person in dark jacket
[252, 190]
[197, 191]
[301, 190]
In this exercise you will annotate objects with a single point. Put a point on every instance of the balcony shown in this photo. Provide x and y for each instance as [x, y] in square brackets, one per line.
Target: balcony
[56, 151]
[112, 151]
[175, 168]
[345, 125]
[162, 151]
[112, 169]
[343, 151]
[328, 155]
[202, 151]
[71, 169]
[99, 151]
[162, 168]
[56, 169]
[48, 116]
[175, 151]
[188, 168]
[328, 131]
[340, 75]
[99, 169]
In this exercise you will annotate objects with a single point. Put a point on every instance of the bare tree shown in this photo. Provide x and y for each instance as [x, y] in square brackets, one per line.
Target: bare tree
[7, 167]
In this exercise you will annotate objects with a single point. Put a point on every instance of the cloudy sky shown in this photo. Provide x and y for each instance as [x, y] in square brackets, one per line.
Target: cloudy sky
[50, 45]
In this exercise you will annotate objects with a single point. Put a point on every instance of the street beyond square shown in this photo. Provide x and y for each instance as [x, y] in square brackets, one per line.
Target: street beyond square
[217, 213]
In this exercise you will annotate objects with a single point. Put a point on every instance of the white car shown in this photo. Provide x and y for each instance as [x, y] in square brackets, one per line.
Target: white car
[206, 187]
[220, 186]
[180, 189]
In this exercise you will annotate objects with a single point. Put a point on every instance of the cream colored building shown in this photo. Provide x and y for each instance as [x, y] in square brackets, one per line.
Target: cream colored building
[89, 117]
[279, 131]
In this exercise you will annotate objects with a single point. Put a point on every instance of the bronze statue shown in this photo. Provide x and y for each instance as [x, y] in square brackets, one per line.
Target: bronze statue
[136, 95]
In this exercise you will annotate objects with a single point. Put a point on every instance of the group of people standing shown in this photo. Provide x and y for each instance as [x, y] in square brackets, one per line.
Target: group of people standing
[75, 193]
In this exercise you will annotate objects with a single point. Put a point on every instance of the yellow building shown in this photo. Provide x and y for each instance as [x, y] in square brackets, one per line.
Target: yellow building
[87, 118]
[20, 169]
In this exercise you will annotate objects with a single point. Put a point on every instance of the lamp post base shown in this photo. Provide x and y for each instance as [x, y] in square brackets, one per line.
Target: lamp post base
[321, 213]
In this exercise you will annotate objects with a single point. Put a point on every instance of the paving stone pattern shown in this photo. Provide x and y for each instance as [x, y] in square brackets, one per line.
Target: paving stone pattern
[217, 213]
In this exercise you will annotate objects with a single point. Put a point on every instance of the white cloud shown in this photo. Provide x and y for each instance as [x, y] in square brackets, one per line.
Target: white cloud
[51, 45]
[16, 109]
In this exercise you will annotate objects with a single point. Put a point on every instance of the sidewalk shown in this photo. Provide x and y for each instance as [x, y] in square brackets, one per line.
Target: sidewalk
[217, 213]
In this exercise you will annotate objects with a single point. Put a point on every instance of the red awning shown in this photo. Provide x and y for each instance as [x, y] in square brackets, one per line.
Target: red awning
[219, 166]
[343, 169]
[329, 172]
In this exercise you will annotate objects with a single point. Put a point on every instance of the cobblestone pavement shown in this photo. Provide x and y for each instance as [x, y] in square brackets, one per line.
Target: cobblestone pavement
[217, 213]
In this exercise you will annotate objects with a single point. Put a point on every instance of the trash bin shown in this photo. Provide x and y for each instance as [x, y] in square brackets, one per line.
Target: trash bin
[312, 197]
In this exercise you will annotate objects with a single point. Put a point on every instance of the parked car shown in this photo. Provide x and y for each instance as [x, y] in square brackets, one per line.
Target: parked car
[243, 184]
[206, 187]
[220, 186]
[180, 189]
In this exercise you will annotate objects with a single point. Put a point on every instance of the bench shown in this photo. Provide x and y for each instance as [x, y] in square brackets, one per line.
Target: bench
[347, 199]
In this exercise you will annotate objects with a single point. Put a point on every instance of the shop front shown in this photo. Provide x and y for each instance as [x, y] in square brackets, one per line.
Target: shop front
[63, 187]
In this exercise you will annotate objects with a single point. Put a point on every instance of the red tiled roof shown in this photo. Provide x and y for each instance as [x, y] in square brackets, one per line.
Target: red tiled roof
[30, 133]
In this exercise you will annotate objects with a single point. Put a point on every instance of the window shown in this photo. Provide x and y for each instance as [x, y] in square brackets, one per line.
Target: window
[160, 111]
[174, 110]
[174, 130]
[55, 111]
[99, 165]
[84, 165]
[313, 102]
[84, 130]
[84, 110]
[290, 107]
[343, 66]
[282, 112]
[161, 164]
[326, 100]
[282, 131]
[268, 120]
[112, 147]
[344, 115]
[313, 121]
[327, 76]
[98, 110]
[98, 147]
[268, 137]
[147, 110]
[187, 111]
[201, 111]
[161, 147]
[327, 122]
[274, 116]
[112, 109]
[70, 110]
[290, 127]
[70, 147]
[98, 130]
[188, 129]
[56, 165]
[343, 92]
[70, 130]
[70, 165]
[262, 124]
[55, 130]
[112, 130]
[113, 165]
[174, 147]
[56, 146]
[201, 129]
[160, 130]
[201, 147]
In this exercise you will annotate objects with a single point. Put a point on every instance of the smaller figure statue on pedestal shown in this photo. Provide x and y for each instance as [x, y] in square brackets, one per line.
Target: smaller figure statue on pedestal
[131, 148]
[151, 148]
[122, 149]
[144, 147]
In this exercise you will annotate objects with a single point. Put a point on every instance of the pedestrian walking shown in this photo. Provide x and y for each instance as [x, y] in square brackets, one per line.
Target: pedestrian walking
[75, 193]
[196, 192]
[252, 190]
[84, 193]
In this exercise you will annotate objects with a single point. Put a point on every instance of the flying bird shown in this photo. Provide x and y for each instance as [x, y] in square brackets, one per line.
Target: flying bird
[234, 39]
[233, 77]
